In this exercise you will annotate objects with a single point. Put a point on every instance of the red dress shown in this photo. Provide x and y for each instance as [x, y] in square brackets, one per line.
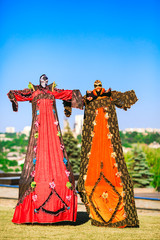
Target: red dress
[47, 191]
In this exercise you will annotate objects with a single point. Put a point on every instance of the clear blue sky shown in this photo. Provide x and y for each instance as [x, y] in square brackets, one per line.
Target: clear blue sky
[77, 42]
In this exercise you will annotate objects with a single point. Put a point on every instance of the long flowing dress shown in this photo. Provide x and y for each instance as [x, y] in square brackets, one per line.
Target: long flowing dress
[46, 190]
[104, 184]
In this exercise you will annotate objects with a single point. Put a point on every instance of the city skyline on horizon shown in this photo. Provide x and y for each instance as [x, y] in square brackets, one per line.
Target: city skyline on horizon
[73, 128]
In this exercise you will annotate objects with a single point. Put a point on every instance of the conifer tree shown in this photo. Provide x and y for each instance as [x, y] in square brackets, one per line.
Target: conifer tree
[138, 169]
[71, 145]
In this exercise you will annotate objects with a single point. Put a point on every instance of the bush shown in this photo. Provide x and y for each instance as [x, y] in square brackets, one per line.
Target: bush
[153, 159]
[17, 170]
[12, 163]
[22, 166]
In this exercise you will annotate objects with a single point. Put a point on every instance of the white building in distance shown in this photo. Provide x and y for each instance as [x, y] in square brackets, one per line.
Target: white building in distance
[78, 124]
[26, 130]
[142, 130]
[10, 129]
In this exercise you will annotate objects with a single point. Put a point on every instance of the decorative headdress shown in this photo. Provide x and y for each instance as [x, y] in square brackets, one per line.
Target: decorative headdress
[97, 83]
[43, 80]
[43, 77]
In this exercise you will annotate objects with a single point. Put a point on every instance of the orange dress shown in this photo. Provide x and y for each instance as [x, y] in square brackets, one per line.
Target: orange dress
[104, 183]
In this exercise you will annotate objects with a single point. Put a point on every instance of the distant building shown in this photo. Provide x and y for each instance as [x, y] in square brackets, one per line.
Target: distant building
[65, 125]
[142, 130]
[4, 138]
[78, 124]
[10, 129]
[26, 130]
[154, 145]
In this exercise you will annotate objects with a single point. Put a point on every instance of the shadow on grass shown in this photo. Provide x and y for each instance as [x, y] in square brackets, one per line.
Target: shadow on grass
[82, 217]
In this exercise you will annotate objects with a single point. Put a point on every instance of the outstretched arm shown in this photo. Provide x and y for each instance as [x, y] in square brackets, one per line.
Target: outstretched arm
[71, 99]
[124, 100]
[19, 95]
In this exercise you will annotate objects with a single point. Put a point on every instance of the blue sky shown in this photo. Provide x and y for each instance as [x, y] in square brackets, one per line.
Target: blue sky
[77, 42]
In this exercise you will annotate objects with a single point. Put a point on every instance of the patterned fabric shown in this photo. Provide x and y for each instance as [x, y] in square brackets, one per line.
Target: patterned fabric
[108, 103]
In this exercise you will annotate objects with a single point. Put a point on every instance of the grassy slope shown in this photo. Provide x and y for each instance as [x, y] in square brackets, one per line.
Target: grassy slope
[149, 229]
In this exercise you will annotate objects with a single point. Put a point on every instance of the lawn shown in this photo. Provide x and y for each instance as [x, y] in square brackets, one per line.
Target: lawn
[82, 229]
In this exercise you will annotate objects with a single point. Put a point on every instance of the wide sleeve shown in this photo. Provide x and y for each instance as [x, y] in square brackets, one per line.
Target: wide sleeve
[71, 99]
[124, 100]
[19, 95]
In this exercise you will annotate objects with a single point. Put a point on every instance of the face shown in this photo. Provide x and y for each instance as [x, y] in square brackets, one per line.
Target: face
[43, 81]
[98, 85]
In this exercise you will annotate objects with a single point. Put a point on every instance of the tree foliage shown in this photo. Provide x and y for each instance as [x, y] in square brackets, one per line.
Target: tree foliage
[72, 149]
[153, 159]
[135, 137]
[139, 169]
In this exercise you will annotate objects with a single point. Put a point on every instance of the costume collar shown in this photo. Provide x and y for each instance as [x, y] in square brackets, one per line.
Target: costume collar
[101, 92]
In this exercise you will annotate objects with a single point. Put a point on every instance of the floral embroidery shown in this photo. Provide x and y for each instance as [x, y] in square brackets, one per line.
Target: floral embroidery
[88, 155]
[109, 135]
[123, 193]
[124, 215]
[105, 195]
[37, 112]
[68, 197]
[35, 149]
[67, 173]
[94, 123]
[34, 161]
[84, 177]
[113, 154]
[65, 161]
[118, 174]
[106, 116]
[96, 112]
[58, 134]
[56, 123]
[33, 173]
[36, 123]
[62, 146]
[33, 184]
[108, 126]
[68, 185]
[116, 165]
[92, 134]
[105, 108]
[52, 185]
[36, 135]
[34, 197]
[89, 98]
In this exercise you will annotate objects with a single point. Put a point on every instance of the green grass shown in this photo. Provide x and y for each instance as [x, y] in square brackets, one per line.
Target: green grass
[149, 229]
